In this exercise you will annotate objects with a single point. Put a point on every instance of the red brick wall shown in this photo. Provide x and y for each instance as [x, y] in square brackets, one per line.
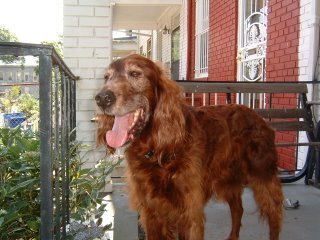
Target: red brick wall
[283, 40]
[222, 40]
[281, 58]
[282, 62]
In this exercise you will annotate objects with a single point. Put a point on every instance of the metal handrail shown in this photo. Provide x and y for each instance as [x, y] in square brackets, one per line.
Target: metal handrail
[31, 49]
[56, 123]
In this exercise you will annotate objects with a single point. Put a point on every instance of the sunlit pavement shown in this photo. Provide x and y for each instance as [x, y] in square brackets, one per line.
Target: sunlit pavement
[299, 224]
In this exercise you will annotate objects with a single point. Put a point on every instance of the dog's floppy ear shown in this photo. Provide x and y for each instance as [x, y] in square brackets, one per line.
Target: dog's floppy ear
[104, 123]
[168, 120]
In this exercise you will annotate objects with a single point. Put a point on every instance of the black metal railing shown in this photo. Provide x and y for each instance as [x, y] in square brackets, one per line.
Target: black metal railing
[57, 99]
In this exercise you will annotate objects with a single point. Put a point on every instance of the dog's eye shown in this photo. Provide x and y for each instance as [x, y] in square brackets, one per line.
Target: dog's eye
[134, 74]
[106, 77]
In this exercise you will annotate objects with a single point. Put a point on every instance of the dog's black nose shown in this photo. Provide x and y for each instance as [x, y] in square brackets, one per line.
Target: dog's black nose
[105, 99]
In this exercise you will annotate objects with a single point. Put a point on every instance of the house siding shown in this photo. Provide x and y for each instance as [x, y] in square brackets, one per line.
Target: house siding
[87, 48]
[283, 40]
[223, 40]
[222, 44]
[282, 63]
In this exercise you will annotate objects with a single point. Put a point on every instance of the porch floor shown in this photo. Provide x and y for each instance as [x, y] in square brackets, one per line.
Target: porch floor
[301, 223]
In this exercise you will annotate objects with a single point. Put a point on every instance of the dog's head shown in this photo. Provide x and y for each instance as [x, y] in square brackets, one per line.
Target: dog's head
[137, 95]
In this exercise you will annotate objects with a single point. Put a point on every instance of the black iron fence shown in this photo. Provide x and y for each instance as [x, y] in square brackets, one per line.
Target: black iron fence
[57, 121]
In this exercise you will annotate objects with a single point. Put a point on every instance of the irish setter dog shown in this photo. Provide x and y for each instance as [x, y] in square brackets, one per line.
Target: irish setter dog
[179, 157]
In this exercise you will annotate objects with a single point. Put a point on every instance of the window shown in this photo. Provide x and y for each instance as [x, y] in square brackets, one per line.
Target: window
[19, 76]
[175, 53]
[202, 29]
[10, 76]
[26, 77]
[149, 48]
[35, 77]
[175, 44]
[1, 76]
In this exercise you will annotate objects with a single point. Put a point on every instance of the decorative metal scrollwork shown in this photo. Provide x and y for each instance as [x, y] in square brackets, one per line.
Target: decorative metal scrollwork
[253, 35]
[253, 52]
[253, 68]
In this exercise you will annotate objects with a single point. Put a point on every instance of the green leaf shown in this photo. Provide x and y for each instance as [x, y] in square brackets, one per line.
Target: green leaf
[85, 171]
[33, 225]
[10, 217]
[22, 185]
[107, 227]
[99, 221]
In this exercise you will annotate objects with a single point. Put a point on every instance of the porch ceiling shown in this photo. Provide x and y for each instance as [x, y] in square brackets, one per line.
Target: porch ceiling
[142, 14]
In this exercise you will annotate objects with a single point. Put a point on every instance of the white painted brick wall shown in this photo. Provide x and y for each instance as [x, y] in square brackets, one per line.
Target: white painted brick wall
[69, 42]
[92, 63]
[78, 11]
[94, 2]
[70, 21]
[87, 37]
[78, 31]
[75, 53]
[100, 42]
[70, 2]
[101, 52]
[94, 21]
[101, 11]
[102, 31]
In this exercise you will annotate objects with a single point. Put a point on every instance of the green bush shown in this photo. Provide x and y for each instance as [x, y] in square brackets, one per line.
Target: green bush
[20, 186]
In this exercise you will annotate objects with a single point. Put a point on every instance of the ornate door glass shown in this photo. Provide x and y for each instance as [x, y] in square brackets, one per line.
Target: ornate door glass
[252, 43]
[253, 38]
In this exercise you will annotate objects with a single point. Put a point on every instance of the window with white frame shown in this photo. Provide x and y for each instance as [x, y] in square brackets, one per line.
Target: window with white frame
[36, 77]
[202, 29]
[19, 76]
[26, 77]
[10, 76]
[1, 76]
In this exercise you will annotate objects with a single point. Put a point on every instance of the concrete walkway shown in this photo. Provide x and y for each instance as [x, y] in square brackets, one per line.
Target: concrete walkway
[299, 224]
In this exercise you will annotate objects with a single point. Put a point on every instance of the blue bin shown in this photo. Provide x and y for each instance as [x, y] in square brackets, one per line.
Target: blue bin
[13, 120]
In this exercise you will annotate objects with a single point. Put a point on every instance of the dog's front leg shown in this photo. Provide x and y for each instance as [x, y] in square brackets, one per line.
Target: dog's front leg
[157, 229]
[191, 227]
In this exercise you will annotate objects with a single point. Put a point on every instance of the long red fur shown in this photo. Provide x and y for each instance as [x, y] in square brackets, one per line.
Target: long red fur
[196, 154]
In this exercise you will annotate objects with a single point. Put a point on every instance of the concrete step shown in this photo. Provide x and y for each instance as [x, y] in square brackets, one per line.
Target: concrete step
[118, 174]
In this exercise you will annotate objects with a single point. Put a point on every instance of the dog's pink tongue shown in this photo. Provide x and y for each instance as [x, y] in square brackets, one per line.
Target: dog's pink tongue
[118, 136]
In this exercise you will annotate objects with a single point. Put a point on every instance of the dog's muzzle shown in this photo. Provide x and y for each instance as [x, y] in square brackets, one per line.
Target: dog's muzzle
[105, 99]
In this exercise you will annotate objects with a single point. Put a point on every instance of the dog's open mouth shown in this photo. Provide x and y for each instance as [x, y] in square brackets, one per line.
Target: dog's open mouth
[124, 128]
